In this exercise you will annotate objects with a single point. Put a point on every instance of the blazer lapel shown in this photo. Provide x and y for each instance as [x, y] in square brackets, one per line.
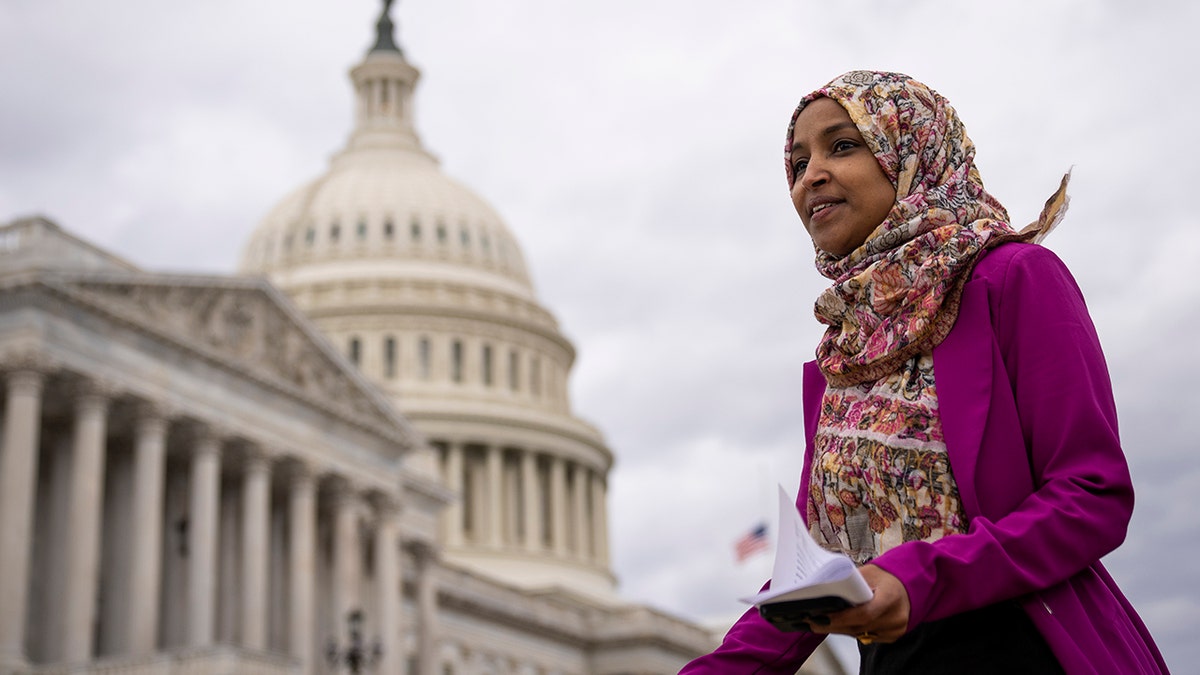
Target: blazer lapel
[813, 392]
[962, 371]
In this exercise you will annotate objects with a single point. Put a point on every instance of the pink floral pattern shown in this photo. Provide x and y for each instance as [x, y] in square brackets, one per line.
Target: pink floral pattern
[880, 473]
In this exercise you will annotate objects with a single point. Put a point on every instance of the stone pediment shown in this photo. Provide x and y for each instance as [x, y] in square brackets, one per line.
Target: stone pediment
[247, 325]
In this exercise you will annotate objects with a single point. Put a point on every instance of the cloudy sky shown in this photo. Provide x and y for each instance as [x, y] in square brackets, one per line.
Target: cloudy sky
[634, 147]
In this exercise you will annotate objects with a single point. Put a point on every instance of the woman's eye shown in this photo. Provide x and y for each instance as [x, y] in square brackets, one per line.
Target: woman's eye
[799, 166]
[844, 145]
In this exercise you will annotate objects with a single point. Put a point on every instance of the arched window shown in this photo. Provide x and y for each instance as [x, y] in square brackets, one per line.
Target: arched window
[425, 358]
[535, 376]
[456, 361]
[355, 350]
[487, 365]
[469, 496]
[514, 370]
[389, 357]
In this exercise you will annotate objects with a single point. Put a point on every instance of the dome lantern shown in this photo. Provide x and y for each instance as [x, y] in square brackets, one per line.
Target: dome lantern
[384, 82]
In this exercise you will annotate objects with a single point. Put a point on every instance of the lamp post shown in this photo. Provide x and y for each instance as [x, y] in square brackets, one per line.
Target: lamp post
[356, 655]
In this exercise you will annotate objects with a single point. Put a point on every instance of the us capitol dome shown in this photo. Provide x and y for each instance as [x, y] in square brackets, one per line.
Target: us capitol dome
[424, 288]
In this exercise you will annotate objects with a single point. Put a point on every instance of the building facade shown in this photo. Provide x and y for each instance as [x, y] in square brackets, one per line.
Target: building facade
[359, 455]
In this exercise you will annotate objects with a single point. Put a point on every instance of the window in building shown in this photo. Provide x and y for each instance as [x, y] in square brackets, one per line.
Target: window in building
[464, 236]
[545, 496]
[310, 236]
[389, 357]
[535, 376]
[335, 231]
[362, 229]
[485, 244]
[514, 370]
[424, 358]
[355, 351]
[414, 229]
[441, 233]
[389, 229]
[456, 361]
[468, 497]
[487, 365]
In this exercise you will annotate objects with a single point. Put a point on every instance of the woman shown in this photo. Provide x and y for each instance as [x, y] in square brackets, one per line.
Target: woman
[961, 433]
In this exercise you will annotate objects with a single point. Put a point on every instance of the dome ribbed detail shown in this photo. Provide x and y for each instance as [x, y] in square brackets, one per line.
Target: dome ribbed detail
[388, 205]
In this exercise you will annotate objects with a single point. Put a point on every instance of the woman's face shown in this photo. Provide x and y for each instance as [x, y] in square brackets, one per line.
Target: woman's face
[840, 191]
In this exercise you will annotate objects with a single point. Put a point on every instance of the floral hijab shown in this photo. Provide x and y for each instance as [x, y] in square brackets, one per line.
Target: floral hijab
[897, 294]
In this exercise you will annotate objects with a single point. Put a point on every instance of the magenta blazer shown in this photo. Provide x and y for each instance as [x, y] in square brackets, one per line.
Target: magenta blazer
[1031, 430]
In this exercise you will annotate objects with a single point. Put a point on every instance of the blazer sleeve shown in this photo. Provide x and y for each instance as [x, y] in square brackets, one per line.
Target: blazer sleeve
[1082, 496]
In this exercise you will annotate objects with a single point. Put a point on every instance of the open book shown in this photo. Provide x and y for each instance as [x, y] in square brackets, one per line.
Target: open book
[807, 580]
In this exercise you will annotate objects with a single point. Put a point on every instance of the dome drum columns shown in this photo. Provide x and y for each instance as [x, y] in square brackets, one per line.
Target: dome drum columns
[524, 502]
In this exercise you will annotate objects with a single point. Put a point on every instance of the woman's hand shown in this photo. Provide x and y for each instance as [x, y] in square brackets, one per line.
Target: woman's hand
[883, 619]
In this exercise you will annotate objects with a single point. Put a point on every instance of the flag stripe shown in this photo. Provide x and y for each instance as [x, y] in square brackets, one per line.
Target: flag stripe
[752, 542]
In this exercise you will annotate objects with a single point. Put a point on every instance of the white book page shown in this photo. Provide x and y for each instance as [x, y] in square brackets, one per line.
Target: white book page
[801, 563]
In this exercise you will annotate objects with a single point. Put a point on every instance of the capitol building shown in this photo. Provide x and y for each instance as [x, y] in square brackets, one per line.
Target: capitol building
[356, 455]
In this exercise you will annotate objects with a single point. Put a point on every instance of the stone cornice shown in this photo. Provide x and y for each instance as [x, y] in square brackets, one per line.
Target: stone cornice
[547, 331]
[568, 617]
[508, 421]
[241, 325]
[483, 316]
[460, 590]
[638, 625]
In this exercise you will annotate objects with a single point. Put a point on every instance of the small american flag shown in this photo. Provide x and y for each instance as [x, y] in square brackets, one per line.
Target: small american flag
[752, 542]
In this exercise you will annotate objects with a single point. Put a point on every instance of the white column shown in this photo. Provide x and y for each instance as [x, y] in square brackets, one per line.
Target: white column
[388, 586]
[579, 524]
[427, 614]
[493, 492]
[256, 512]
[202, 540]
[558, 504]
[145, 570]
[18, 477]
[453, 480]
[84, 510]
[599, 520]
[531, 501]
[302, 518]
[346, 557]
